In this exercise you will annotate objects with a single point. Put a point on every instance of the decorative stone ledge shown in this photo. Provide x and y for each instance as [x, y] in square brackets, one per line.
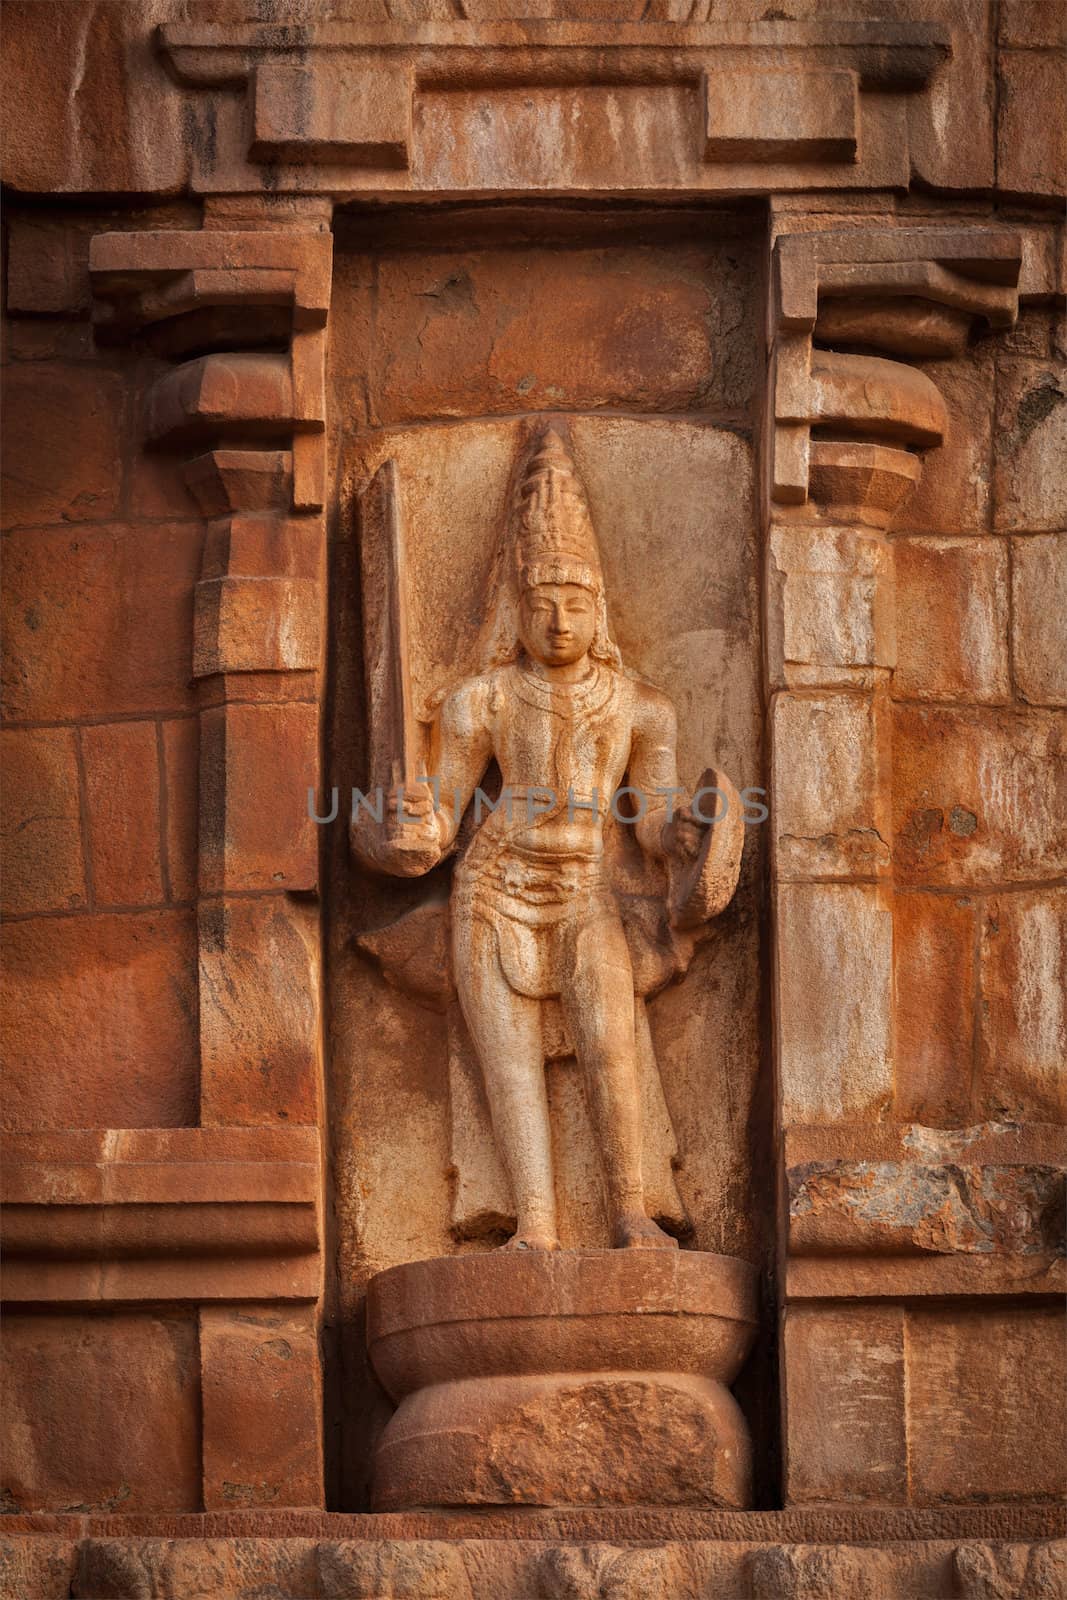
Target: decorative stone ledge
[175, 1214]
[484, 1563]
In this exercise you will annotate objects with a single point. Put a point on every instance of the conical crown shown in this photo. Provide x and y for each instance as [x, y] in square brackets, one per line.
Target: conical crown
[555, 541]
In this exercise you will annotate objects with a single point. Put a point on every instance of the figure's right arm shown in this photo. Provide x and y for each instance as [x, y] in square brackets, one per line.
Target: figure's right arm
[420, 820]
[460, 750]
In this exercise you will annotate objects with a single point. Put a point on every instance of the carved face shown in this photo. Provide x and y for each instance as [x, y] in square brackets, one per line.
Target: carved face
[557, 622]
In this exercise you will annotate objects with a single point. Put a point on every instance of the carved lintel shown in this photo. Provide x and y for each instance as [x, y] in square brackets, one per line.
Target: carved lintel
[737, 107]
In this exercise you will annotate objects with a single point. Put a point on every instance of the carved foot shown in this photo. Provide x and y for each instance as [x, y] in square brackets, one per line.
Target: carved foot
[635, 1231]
[532, 1239]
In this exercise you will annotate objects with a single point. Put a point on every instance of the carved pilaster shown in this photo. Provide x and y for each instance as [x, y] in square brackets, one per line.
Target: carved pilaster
[242, 316]
[854, 315]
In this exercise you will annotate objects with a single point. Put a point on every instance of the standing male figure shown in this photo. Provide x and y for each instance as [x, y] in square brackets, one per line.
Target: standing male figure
[534, 917]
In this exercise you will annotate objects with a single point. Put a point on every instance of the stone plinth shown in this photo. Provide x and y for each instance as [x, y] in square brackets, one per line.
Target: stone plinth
[579, 1378]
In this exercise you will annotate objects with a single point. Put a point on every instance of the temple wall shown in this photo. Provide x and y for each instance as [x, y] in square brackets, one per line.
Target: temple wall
[226, 305]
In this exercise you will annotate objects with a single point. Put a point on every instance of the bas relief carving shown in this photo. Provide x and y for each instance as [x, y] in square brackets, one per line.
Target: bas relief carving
[583, 876]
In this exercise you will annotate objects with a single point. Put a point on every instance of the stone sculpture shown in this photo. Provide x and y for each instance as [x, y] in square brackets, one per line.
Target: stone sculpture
[586, 755]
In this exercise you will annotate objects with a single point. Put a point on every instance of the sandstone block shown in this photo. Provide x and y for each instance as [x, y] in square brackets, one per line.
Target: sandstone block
[256, 624]
[181, 804]
[933, 956]
[950, 127]
[40, 1568]
[844, 1405]
[979, 796]
[468, 334]
[333, 113]
[258, 1011]
[126, 134]
[830, 774]
[103, 1413]
[1032, 125]
[99, 621]
[834, 1002]
[1032, 22]
[830, 606]
[962, 1206]
[953, 491]
[113, 1036]
[1023, 1059]
[952, 620]
[122, 789]
[62, 444]
[967, 1371]
[1039, 607]
[1030, 479]
[256, 765]
[780, 116]
[262, 1429]
[43, 868]
[47, 269]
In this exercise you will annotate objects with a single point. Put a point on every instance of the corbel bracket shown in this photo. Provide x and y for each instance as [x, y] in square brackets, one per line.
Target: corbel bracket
[849, 423]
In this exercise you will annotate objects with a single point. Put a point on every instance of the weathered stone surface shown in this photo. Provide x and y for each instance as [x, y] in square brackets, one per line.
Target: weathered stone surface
[136, 1375]
[966, 1370]
[262, 1405]
[829, 779]
[952, 1208]
[570, 1573]
[1039, 605]
[1032, 148]
[835, 1056]
[626, 328]
[933, 956]
[258, 1017]
[1023, 978]
[952, 620]
[1031, 22]
[180, 791]
[556, 297]
[257, 763]
[122, 795]
[844, 1393]
[47, 269]
[979, 796]
[43, 866]
[419, 1570]
[122, 131]
[1031, 446]
[113, 1007]
[792, 116]
[545, 1378]
[62, 444]
[40, 1568]
[134, 1215]
[830, 615]
[953, 493]
[98, 621]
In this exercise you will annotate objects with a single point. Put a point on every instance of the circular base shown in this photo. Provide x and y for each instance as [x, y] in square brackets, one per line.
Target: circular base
[570, 1378]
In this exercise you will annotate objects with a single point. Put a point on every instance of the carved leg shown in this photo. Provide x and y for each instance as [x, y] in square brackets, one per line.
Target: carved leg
[505, 1028]
[598, 1002]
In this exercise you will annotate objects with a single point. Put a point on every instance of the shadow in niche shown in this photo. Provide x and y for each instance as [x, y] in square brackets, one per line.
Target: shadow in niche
[374, 1108]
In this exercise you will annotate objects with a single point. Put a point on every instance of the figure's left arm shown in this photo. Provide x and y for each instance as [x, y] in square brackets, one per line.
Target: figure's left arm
[654, 769]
